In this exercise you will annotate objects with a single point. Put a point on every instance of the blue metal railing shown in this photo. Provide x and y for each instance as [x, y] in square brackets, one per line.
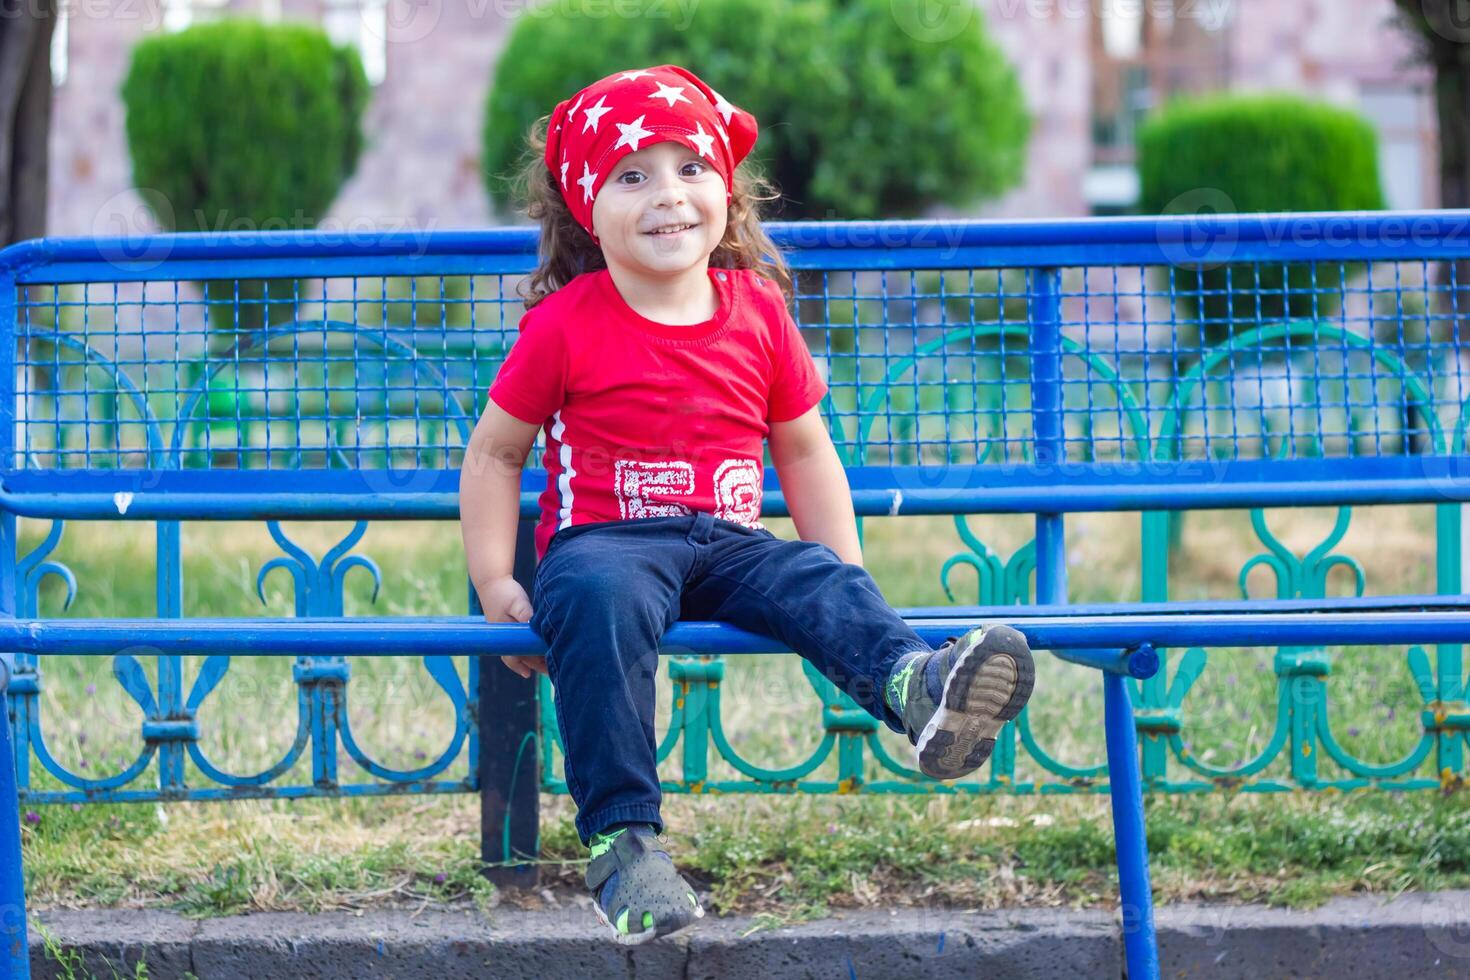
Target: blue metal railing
[1017, 367]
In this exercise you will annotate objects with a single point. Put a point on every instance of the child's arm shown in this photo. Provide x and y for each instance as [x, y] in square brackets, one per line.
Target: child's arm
[489, 511]
[815, 484]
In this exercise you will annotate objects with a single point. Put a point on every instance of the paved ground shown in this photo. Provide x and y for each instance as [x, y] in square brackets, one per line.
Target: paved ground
[1413, 936]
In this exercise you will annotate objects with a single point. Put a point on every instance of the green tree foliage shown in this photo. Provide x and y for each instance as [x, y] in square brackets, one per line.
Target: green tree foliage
[865, 111]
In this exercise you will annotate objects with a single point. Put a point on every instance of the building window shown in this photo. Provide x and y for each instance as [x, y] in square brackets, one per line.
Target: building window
[1403, 115]
[180, 14]
[1144, 55]
[59, 46]
[361, 24]
[1122, 30]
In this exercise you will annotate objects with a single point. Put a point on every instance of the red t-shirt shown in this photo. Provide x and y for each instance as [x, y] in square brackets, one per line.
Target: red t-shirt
[645, 419]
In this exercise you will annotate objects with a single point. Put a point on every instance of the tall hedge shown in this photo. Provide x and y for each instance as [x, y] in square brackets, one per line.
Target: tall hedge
[238, 125]
[1253, 154]
[859, 117]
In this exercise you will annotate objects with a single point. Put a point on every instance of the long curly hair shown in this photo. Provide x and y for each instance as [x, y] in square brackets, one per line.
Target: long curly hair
[566, 250]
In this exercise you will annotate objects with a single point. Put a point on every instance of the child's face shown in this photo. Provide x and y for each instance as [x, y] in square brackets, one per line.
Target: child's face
[658, 186]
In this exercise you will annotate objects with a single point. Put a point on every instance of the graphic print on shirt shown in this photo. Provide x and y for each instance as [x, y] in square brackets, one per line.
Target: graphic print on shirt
[604, 384]
[738, 492]
[564, 479]
[634, 481]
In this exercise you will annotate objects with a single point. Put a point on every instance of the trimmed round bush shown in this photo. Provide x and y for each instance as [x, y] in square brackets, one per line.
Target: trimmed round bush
[238, 125]
[1254, 154]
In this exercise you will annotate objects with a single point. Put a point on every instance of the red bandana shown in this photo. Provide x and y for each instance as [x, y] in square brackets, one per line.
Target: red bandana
[620, 114]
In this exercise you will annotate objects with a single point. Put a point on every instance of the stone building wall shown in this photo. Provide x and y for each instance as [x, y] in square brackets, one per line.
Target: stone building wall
[421, 166]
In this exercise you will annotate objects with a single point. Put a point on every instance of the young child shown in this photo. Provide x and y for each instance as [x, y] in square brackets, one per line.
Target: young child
[657, 353]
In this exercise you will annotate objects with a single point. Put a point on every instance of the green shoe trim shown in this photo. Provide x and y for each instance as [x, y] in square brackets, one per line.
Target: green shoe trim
[898, 683]
[602, 843]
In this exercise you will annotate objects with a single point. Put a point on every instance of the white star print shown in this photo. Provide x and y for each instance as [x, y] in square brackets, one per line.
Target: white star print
[723, 135]
[703, 141]
[586, 181]
[673, 93]
[725, 109]
[594, 114]
[564, 166]
[573, 110]
[633, 76]
[632, 132]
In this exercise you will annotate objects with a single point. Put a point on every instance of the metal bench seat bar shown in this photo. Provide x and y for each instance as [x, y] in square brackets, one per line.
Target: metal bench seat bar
[876, 490]
[1201, 607]
[422, 636]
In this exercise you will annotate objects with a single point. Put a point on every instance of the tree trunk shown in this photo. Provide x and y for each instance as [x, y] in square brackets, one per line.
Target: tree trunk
[1452, 109]
[1443, 29]
[25, 115]
[1450, 57]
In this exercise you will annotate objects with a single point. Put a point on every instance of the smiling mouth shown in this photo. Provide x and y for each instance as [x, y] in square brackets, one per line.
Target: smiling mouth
[668, 231]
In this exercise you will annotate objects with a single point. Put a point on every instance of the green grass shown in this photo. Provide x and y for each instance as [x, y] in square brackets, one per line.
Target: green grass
[782, 857]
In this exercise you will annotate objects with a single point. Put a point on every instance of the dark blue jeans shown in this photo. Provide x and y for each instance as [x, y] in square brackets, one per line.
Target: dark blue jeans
[605, 594]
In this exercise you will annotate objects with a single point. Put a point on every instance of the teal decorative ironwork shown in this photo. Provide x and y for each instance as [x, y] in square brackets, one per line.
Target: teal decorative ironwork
[934, 384]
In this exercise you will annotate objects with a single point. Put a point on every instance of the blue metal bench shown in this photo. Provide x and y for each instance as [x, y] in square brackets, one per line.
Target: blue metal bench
[1028, 393]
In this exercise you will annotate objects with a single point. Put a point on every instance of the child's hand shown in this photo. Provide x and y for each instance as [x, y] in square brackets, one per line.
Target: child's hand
[504, 601]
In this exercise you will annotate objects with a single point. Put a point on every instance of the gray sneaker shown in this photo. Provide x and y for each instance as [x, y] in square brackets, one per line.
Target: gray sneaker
[988, 675]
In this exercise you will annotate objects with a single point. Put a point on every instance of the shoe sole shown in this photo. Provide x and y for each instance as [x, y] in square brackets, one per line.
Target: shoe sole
[646, 935]
[987, 687]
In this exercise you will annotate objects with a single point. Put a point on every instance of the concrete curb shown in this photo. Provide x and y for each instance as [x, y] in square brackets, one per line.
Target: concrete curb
[1415, 935]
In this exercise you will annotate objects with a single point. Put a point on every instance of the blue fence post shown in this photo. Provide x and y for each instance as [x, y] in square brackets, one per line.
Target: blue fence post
[1140, 945]
[15, 957]
[1047, 430]
[173, 752]
[510, 771]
